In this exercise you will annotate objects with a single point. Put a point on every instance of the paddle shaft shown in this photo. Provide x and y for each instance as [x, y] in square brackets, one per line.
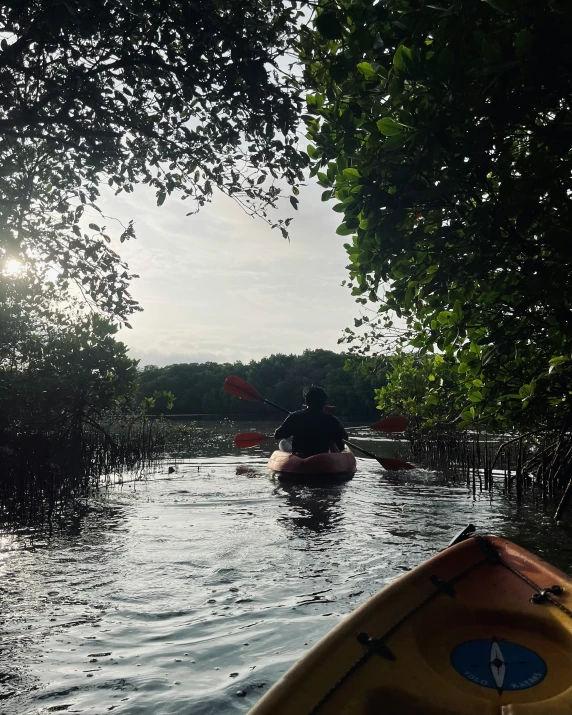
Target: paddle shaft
[363, 451]
[259, 438]
[273, 404]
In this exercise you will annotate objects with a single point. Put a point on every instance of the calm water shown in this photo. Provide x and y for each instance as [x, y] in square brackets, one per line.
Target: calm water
[192, 594]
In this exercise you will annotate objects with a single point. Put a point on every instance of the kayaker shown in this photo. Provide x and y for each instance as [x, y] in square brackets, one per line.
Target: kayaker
[313, 430]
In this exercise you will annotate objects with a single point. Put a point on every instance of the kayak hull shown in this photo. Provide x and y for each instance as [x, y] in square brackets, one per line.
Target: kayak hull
[458, 635]
[327, 466]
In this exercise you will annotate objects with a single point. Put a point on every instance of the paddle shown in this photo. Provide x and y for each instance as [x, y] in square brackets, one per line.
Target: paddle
[391, 425]
[245, 391]
[244, 440]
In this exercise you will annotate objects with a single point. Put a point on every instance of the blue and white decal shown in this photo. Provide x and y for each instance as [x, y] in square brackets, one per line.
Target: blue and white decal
[498, 664]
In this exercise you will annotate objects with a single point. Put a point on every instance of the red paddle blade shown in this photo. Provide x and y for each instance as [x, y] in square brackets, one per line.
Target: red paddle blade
[390, 424]
[242, 389]
[394, 465]
[250, 439]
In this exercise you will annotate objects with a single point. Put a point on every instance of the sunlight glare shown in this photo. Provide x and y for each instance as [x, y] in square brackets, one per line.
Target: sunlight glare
[13, 267]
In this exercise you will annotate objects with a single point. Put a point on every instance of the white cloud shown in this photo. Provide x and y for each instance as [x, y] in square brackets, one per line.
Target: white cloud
[221, 285]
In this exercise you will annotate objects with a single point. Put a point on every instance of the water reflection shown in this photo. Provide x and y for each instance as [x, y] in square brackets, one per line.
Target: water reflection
[175, 597]
[317, 508]
[52, 582]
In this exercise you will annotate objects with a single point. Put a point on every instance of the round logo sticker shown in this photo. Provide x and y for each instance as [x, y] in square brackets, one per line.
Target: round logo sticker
[498, 664]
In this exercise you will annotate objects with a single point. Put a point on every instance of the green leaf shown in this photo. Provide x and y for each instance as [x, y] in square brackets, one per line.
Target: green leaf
[402, 59]
[329, 26]
[339, 208]
[445, 63]
[161, 196]
[475, 396]
[343, 230]
[351, 173]
[394, 142]
[294, 201]
[555, 363]
[389, 127]
[94, 227]
[523, 43]
[367, 70]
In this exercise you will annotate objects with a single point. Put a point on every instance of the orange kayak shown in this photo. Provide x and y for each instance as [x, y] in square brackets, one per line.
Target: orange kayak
[483, 628]
[330, 465]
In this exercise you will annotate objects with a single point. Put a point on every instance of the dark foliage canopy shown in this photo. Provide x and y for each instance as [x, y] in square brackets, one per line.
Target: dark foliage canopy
[197, 387]
[183, 95]
[59, 372]
[444, 132]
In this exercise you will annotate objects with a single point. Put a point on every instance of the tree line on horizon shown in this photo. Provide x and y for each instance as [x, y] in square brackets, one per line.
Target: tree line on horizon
[197, 387]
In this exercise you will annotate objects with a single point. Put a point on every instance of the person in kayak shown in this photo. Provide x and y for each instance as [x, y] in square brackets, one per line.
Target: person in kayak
[313, 430]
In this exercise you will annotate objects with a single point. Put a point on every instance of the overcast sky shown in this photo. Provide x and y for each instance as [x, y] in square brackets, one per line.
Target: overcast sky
[222, 286]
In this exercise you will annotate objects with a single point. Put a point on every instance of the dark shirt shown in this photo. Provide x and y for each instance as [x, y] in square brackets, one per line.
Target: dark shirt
[312, 431]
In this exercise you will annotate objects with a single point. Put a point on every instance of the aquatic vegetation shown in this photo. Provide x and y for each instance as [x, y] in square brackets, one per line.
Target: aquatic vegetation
[45, 475]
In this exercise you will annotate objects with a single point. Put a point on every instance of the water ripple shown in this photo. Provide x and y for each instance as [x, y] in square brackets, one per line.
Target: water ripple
[174, 597]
